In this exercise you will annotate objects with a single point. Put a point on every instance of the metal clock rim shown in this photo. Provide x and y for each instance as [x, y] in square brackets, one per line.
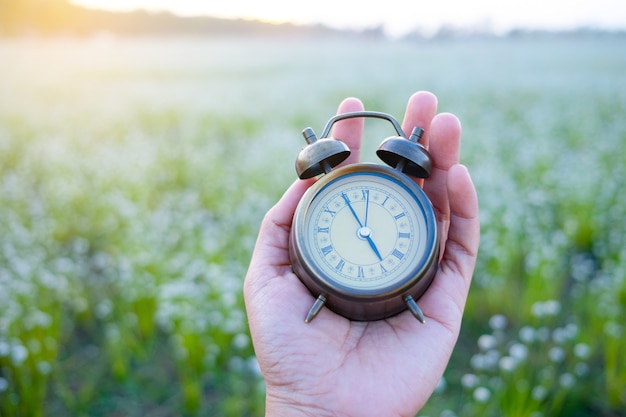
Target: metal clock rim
[393, 290]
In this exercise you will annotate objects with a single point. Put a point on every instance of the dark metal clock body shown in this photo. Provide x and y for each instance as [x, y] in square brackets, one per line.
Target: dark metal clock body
[364, 237]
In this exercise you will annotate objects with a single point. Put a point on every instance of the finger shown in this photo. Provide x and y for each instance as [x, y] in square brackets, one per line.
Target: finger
[445, 141]
[444, 149]
[446, 297]
[420, 110]
[276, 225]
[269, 287]
[350, 131]
[464, 233]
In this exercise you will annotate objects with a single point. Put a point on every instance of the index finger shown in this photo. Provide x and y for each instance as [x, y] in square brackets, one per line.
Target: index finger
[420, 110]
[350, 131]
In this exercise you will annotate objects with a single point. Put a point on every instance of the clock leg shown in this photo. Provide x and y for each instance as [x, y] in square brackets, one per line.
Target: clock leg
[315, 309]
[414, 308]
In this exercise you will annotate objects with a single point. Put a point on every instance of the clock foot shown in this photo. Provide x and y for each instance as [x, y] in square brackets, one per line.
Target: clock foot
[315, 309]
[414, 308]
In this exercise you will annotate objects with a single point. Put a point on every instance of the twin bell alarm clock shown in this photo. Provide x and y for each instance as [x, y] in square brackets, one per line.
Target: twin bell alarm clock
[364, 238]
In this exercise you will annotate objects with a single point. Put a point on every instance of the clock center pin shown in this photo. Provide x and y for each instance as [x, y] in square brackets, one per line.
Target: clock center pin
[364, 232]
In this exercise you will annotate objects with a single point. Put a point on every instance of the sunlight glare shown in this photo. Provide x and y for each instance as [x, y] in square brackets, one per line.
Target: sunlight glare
[395, 15]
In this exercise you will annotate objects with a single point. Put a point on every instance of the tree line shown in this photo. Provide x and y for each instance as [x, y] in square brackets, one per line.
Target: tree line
[59, 17]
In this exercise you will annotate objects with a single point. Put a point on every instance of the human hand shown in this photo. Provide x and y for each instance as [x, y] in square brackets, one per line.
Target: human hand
[337, 367]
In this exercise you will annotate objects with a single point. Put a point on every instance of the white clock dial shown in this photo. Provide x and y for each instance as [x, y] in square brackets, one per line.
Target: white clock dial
[366, 231]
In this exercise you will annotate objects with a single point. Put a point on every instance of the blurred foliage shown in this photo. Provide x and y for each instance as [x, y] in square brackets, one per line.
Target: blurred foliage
[134, 174]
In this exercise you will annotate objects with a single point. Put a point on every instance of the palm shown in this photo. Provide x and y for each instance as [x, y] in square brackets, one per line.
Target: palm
[357, 367]
[333, 366]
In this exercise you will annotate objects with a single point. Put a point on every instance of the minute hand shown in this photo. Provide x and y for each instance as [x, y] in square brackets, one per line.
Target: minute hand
[364, 232]
[345, 197]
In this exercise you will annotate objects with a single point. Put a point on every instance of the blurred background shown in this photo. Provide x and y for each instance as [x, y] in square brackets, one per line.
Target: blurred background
[142, 142]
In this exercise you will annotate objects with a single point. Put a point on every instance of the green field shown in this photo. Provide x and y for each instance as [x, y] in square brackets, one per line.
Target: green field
[134, 174]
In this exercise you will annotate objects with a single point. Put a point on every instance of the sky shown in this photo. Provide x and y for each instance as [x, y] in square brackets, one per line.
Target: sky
[398, 16]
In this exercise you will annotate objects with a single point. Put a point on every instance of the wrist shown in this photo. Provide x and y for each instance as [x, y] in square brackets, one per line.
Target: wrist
[290, 406]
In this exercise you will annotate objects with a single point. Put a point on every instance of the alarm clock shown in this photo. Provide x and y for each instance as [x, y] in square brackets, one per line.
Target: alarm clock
[364, 238]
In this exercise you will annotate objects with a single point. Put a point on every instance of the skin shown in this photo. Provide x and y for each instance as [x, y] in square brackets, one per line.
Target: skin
[337, 367]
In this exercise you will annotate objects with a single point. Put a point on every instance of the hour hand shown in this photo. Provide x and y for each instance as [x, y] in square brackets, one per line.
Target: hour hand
[366, 233]
[374, 248]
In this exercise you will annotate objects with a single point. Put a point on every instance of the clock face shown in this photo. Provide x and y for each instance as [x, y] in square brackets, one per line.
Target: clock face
[367, 231]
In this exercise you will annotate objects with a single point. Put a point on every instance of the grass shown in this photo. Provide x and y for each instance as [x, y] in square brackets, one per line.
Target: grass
[134, 175]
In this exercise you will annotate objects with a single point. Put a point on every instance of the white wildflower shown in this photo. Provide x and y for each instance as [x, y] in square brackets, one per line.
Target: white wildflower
[508, 364]
[19, 353]
[567, 380]
[498, 322]
[518, 351]
[539, 393]
[582, 350]
[527, 334]
[469, 381]
[556, 354]
[487, 342]
[482, 394]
